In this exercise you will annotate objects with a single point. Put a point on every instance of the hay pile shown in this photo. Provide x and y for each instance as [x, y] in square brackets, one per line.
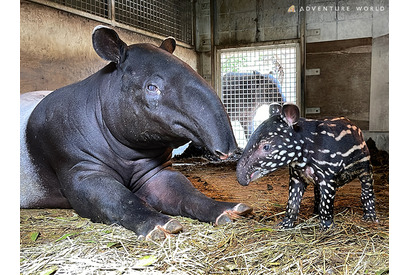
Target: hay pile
[69, 244]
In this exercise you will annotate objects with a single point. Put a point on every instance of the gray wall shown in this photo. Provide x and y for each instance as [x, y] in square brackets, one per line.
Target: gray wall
[56, 48]
[348, 43]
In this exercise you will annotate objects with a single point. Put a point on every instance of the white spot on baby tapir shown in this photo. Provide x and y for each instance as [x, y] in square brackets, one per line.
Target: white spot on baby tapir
[336, 118]
[342, 134]
[320, 172]
[309, 139]
[328, 133]
[322, 162]
[354, 148]
[359, 161]
[354, 127]
[331, 171]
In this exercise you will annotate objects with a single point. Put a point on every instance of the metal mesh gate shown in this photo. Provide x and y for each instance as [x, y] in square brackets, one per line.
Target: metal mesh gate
[251, 79]
[163, 17]
[96, 7]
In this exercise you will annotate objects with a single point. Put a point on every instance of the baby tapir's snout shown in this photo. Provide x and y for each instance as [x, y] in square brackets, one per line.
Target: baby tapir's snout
[328, 153]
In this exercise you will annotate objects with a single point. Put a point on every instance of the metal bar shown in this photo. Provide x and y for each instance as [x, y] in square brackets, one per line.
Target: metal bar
[302, 36]
[112, 10]
[213, 52]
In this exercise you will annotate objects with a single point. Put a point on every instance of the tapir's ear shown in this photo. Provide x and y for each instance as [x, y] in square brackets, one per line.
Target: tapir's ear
[291, 113]
[169, 44]
[108, 44]
[275, 109]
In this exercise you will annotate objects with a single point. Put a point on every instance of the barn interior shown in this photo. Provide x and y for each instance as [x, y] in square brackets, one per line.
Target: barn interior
[331, 58]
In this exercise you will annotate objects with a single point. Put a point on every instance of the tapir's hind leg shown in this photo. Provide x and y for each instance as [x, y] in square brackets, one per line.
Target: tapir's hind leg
[172, 193]
[367, 196]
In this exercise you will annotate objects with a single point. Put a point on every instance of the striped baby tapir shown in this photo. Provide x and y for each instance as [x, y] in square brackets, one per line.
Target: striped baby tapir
[328, 153]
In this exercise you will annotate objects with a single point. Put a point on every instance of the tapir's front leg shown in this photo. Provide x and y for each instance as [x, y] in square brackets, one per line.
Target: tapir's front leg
[172, 193]
[101, 198]
[296, 190]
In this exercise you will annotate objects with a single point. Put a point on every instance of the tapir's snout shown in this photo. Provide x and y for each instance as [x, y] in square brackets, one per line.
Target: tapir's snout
[211, 127]
[246, 172]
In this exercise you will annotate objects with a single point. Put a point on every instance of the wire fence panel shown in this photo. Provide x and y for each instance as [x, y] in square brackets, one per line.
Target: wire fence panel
[253, 78]
[163, 17]
[95, 7]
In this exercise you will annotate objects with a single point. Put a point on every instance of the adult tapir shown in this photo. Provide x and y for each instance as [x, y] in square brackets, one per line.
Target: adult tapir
[103, 145]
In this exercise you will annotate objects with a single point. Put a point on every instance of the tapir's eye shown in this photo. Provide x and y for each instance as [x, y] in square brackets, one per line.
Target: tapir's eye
[266, 147]
[151, 88]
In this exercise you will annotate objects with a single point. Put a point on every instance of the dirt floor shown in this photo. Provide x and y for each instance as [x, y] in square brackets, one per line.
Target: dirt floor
[269, 195]
[41, 228]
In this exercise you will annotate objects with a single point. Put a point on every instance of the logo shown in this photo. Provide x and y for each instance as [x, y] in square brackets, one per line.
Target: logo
[337, 8]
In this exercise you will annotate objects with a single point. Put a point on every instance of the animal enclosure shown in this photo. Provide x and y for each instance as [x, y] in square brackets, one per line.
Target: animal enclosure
[251, 53]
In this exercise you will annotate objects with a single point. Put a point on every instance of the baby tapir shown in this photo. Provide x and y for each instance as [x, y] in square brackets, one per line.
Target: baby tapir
[329, 153]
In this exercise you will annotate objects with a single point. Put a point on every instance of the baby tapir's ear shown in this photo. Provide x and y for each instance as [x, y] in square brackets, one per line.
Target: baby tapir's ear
[169, 44]
[108, 44]
[291, 113]
[275, 109]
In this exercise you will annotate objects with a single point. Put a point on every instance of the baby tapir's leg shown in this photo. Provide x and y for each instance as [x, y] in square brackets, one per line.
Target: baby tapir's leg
[327, 198]
[367, 197]
[317, 199]
[297, 187]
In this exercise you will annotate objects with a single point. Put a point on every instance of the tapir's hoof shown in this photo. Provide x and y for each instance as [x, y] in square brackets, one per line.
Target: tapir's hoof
[161, 232]
[231, 214]
[326, 224]
[370, 218]
[173, 227]
[285, 224]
